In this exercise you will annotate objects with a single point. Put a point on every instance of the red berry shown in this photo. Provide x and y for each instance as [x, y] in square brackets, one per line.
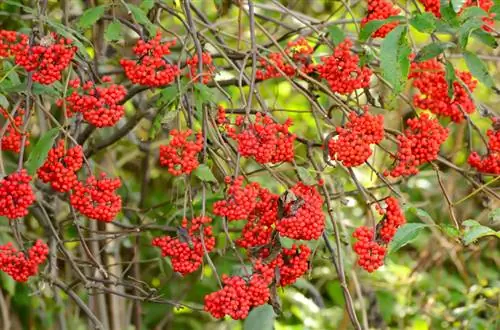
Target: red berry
[21, 266]
[16, 195]
[180, 155]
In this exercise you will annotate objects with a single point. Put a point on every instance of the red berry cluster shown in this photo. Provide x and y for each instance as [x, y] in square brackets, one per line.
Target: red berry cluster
[418, 145]
[429, 79]
[380, 10]
[489, 21]
[186, 252]
[209, 71]
[491, 162]
[370, 253]
[47, 59]
[12, 137]
[432, 6]
[16, 195]
[96, 198]
[303, 217]
[180, 155]
[264, 139]
[21, 266]
[393, 219]
[151, 69]
[292, 263]
[241, 201]
[99, 105]
[60, 167]
[7, 39]
[341, 70]
[299, 50]
[238, 296]
[352, 144]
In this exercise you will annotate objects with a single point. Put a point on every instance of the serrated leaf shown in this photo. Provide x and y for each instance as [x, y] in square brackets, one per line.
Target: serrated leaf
[204, 173]
[305, 176]
[425, 22]
[147, 5]
[142, 18]
[474, 231]
[466, 29]
[336, 34]
[369, 28]
[113, 31]
[260, 318]
[405, 235]
[457, 5]
[432, 50]
[485, 38]
[478, 69]
[90, 16]
[40, 151]
[450, 77]
[394, 58]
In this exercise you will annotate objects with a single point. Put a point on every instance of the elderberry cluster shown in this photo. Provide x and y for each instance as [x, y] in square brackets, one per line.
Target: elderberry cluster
[12, 137]
[16, 195]
[489, 163]
[209, 68]
[380, 10]
[180, 155]
[21, 266]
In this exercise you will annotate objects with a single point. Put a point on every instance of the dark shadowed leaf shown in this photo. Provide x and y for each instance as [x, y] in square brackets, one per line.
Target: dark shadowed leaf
[405, 235]
[260, 318]
[204, 173]
[336, 34]
[478, 68]
[39, 153]
[432, 50]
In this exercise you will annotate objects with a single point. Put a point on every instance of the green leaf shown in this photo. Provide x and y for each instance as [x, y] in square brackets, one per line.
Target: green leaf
[204, 173]
[305, 176]
[485, 38]
[474, 230]
[72, 34]
[494, 216]
[39, 89]
[432, 50]
[394, 58]
[286, 242]
[4, 103]
[478, 69]
[142, 18]
[113, 31]
[451, 231]
[90, 16]
[168, 101]
[472, 12]
[147, 5]
[372, 26]
[466, 29]
[336, 34]
[8, 284]
[202, 94]
[260, 318]
[405, 235]
[450, 77]
[39, 153]
[457, 5]
[495, 10]
[425, 22]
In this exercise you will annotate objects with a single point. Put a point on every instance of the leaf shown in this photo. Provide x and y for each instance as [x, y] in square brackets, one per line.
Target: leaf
[494, 216]
[39, 153]
[90, 16]
[204, 173]
[394, 58]
[305, 176]
[369, 28]
[72, 34]
[260, 318]
[450, 77]
[286, 242]
[432, 50]
[4, 103]
[202, 95]
[142, 18]
[39, 89]
[405, 235]
[147, 5]
[485, 38]
[425, 22]
[113, 31]
[451, 231]
[474, 230]
[336, 34]
[472, 12]
[466, 29]
[478, 69]
[457, 5]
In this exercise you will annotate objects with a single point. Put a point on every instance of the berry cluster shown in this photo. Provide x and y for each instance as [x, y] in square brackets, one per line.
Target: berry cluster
[99, 105]
[393, 219]
[264, 139]
[241, 201]
[186, 251]
[303, 216]
[7, 39]
[299, 50]
[180, 154]
[209, 71]
[380, 10]
[16, 195]
[292, 263]
[96, 198]
[60, 167]
[370, 253]
[151, 69]
[491, 162]
[489, 21]
[341, 70]
[430, 79]
[47, 59]
[432, 6]
[12, 137]
[21, 266]
[352, 144]
[418, 145]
